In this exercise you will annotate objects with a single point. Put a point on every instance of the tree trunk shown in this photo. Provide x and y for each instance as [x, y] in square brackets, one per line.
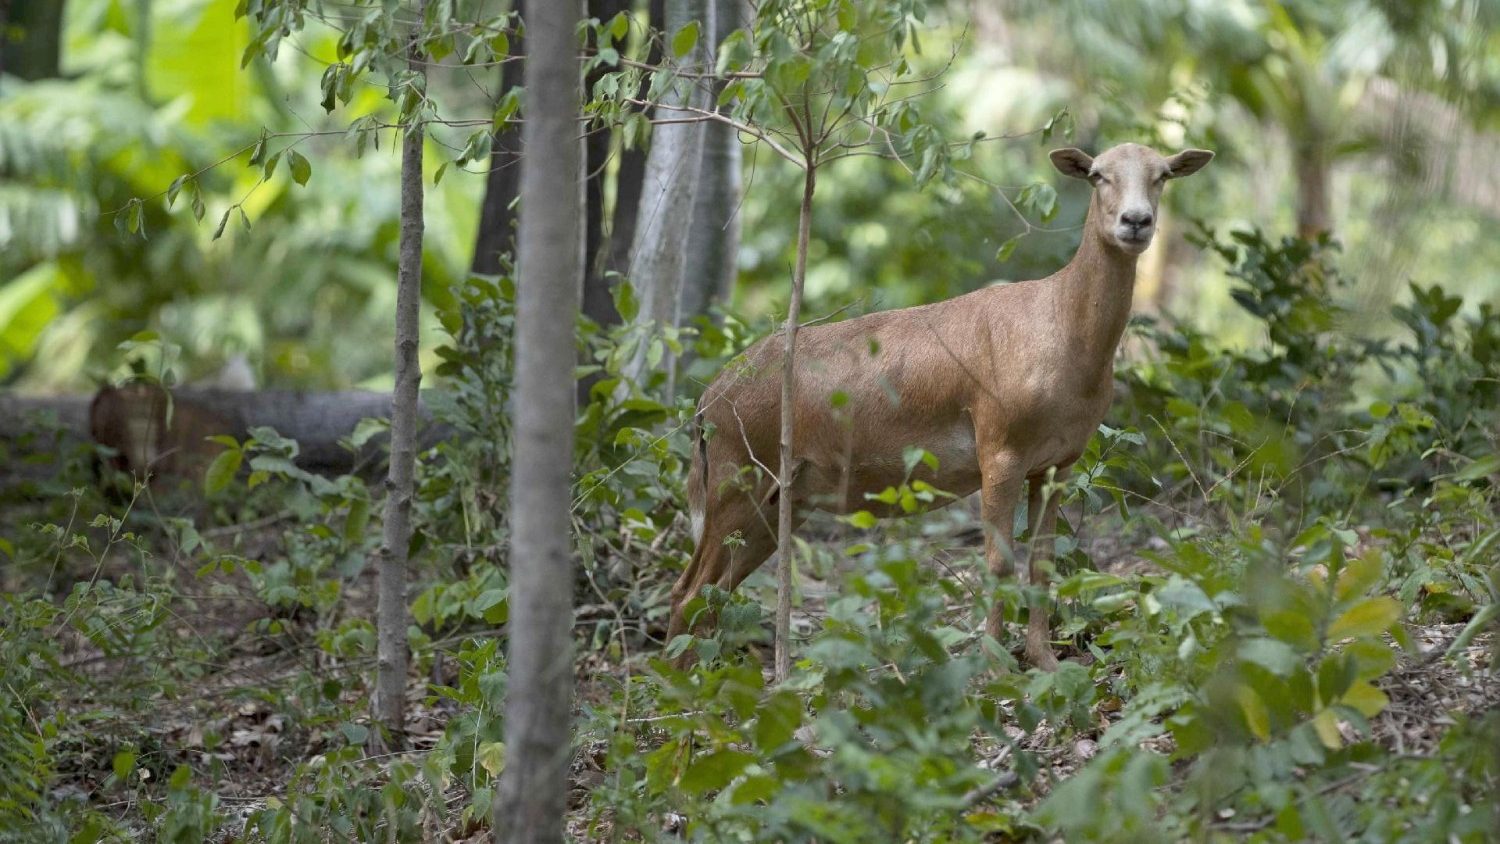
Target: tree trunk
[666, 209]
[30, 38]
[599, 257]
[1313, 174]
[532, 795]
[631, 178]
[786, 470]
[390, 627]
[714, 237]
[503, 184]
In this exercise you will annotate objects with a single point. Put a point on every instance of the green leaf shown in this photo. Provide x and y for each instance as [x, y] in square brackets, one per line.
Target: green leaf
[1365, 699]
[1370, 617]
[491, 757]
[357, 520]
[223, 222]
[678, 646]
[301, 167]
[1004, 252]
[1273, 655]
[1478, 469]
[685, 39]
[714, 770]
[1257, 717]
[862, 519]
[493, 605]
[124, 763]
[1292, 627]
[356, 734]
[1359, 576]
[222, 470]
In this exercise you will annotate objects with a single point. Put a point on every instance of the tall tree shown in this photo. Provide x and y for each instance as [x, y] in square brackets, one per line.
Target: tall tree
[667, 201]
[30, 37]
[391, 646]
[538, 705]
[714, 237]
[503, 183]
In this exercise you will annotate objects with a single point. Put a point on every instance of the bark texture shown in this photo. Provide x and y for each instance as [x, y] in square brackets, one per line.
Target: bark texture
[714, 237]
[532, 795]
[667, 202]
[30, 38]
[1314, 216]
[497, 211]
[391, 648]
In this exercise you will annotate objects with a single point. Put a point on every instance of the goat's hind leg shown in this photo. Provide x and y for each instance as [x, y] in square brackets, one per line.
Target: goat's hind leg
[1042, 517]
[1000, 492]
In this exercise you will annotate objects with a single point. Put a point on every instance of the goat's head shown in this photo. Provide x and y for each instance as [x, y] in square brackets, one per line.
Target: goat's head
[1127, 182]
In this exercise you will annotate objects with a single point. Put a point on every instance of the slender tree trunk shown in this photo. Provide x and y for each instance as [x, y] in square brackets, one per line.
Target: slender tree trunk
[391, 648]
[666, 208]
[630, 178]
[786, 472]
[503, 184]
[714, 239]
[1313, 175]
[599, 256]
[532, 795]
[30, 38]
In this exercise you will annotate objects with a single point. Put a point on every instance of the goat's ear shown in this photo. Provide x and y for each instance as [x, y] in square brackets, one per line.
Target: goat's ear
[1188, 162]
[1072, 162]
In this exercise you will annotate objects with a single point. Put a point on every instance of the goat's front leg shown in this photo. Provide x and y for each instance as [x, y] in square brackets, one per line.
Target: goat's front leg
[1042, 517]
[1001, 481]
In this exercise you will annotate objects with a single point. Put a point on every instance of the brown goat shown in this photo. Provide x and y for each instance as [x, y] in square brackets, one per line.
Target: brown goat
[1001, 385]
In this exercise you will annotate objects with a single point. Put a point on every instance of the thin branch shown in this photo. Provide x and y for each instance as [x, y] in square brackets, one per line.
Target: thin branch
[752, 131]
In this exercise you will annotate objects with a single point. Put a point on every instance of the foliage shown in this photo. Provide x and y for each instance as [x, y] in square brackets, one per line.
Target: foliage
[1294, 513]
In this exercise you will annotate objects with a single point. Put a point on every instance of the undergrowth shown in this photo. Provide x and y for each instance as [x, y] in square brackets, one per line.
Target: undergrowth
[1269, 549]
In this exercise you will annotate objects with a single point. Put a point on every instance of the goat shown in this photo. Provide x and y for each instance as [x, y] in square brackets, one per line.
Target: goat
[1003, 385]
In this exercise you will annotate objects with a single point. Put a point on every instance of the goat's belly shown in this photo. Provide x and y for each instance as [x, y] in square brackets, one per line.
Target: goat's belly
[878, 461]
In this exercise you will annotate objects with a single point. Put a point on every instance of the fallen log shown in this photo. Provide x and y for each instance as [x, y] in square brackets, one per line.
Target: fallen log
[145, 429]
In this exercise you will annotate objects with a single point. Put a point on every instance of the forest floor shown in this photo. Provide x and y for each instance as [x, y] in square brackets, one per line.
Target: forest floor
[229, 714]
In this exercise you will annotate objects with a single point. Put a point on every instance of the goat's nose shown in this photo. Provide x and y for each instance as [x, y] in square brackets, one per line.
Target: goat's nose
[1137, 219]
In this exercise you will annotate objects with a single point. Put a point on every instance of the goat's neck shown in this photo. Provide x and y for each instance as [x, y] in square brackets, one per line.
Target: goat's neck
[1094, 295]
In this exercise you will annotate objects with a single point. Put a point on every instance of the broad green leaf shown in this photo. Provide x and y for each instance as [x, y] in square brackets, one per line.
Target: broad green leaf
[714, 770]
[1009, 246]
[1257, 718]
[1273, 655]
[1360, 575]
[222, 470]
[124, 763]
[678, 646]
[357, 520]
[491, 757]
[1291, 627]
[685, 39]
[1365, 698]
[1369, 617]
[301, 167]
[1327, 725]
